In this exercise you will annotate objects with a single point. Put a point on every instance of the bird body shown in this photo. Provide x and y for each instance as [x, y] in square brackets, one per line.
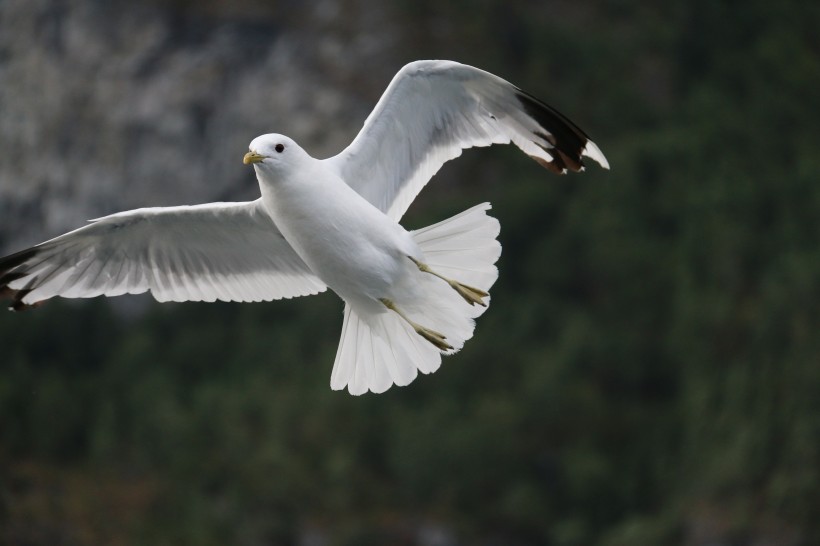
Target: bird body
[347, 242]
[410, 297]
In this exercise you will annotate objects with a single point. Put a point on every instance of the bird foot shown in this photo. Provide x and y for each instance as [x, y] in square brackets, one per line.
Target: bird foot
[470, 294]
[437, 339]
[433, 337]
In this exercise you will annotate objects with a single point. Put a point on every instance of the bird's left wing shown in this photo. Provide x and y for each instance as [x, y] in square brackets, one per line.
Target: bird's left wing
[431, 111]
[217, 251]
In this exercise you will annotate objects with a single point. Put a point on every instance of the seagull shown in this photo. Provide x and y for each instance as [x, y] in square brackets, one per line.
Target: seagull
[410, 296]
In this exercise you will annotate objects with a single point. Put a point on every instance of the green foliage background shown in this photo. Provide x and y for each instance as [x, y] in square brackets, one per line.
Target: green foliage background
[648, 373]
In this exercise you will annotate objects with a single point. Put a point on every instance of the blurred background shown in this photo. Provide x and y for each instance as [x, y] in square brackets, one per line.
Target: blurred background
[649, 372]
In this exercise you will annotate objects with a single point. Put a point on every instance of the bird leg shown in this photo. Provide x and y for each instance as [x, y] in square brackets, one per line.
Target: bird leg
[471, 294]
[432, 336]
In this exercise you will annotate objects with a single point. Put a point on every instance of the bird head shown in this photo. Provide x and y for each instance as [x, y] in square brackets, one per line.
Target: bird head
[273, 152]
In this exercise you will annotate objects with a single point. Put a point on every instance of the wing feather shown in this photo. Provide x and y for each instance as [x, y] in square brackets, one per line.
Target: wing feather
[217, 251]
[431, 111]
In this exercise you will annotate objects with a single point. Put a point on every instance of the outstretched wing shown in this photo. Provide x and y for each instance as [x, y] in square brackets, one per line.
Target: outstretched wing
[431, 111]
[218, 251]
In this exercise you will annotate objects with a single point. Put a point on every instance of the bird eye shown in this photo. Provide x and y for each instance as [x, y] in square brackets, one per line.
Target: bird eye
[279, 148]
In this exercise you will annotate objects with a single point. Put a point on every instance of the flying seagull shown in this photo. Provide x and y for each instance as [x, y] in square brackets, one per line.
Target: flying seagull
[410, 296]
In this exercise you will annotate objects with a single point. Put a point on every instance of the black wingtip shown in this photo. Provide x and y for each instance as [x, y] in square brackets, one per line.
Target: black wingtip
[8, 264]
[17, 303]
[17, 296]
[567, 141]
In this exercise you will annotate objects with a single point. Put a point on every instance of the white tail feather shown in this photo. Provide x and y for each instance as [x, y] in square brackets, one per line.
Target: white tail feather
[377, 351]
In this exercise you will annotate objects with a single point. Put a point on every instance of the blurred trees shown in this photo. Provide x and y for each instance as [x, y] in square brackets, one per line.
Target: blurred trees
[648, 373]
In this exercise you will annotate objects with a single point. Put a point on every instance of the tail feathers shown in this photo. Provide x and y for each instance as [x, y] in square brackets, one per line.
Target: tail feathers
[463, 247]
[378, 352]
[381, 349]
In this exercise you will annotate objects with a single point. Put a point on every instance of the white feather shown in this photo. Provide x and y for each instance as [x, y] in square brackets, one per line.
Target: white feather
[377, 350]
[218, 251]
[430, 112]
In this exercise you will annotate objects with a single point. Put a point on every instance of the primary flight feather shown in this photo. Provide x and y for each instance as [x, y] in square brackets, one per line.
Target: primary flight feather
[409, 296]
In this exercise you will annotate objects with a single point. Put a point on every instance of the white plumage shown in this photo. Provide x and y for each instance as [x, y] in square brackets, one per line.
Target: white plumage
[409, 296]
[379, 350]
[431, 112]
[218, 251]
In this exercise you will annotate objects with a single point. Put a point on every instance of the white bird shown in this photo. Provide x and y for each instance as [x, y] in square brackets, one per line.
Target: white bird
[410, 296]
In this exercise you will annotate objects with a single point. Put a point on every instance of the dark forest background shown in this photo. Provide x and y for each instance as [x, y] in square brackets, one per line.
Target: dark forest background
[649, 372]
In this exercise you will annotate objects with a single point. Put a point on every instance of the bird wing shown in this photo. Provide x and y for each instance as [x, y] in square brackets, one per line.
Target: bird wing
[217, 251]
[431, 111]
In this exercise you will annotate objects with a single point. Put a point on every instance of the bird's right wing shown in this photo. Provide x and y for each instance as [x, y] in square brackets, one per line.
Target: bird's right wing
[217, 251]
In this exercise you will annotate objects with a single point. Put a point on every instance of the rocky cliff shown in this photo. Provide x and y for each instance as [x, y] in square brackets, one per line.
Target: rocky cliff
[106, 106]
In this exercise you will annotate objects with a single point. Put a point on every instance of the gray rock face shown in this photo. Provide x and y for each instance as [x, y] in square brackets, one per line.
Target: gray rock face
[106, 106]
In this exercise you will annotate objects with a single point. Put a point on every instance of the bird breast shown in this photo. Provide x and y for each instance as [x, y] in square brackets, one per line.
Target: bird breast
[349, 244]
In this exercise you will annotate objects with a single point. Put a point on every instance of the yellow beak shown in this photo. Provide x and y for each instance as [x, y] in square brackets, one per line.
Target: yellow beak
[252, 157]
